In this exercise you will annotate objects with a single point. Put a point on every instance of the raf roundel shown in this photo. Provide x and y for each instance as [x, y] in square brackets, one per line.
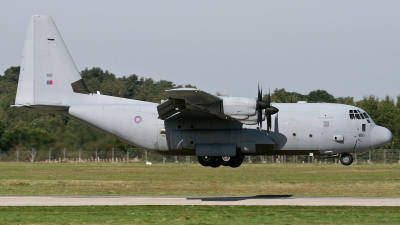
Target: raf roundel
[138, 119]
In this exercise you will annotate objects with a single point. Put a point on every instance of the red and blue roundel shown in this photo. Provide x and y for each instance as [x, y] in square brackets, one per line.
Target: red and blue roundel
[138, 119]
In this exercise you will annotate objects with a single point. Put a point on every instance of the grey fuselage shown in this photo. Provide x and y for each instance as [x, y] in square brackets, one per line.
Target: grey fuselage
[298, 128]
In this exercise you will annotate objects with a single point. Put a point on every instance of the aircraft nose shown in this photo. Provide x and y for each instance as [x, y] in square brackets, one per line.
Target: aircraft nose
[380, 136]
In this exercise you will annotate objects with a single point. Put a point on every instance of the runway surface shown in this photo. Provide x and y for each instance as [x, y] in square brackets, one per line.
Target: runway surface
[270, 200]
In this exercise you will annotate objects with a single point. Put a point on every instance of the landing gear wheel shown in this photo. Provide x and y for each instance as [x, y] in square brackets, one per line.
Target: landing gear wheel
[227, 160]
[236, 162]
[346, 159]
[216, 163]
[206, 160]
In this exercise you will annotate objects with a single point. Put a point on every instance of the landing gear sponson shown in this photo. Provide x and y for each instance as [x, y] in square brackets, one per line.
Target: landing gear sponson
[346, 159]
[216, 161]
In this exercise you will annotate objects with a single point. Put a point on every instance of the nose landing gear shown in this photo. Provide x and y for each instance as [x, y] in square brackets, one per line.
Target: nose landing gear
[346, 159]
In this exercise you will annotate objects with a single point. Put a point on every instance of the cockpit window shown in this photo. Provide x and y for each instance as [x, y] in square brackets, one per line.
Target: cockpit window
[357, 114]
[351, 114]
[362, 117]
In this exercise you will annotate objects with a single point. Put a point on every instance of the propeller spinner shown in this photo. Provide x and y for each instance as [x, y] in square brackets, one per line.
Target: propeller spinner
[269, 110]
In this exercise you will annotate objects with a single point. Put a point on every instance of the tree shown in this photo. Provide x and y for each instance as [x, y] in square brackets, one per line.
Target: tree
[345, 100]
[320, 96]
[186, 86]
[114, 88]
[24, 135]
[11, 74]
[370, 104]
[32, 155]
[94, 77]
[153, 91]
[132, 85]
[282, 96]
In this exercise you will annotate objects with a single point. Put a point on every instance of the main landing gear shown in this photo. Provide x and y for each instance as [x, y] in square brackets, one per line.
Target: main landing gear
[346, 159]
[216, 161]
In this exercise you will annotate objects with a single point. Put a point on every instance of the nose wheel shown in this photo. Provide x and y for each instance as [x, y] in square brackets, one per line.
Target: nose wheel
[346, 159]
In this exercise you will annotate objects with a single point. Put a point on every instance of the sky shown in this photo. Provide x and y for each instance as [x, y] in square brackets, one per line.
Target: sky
[348, 48]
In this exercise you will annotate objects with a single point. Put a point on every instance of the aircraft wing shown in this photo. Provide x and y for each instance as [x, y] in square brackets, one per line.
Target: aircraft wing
[189, 99]
[190, 102]
[193, 96]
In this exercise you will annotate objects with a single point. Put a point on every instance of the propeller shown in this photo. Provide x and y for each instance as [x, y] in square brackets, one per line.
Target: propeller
[269, 110]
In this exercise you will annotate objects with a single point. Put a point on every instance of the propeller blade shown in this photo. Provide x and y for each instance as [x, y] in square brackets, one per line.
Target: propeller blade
[268, 115]
[269, 98]
[269, 110]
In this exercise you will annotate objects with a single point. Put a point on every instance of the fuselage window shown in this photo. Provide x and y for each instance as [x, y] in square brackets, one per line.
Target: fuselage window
[358, 116]
[363, 127]
[352, 116]
[366, 115]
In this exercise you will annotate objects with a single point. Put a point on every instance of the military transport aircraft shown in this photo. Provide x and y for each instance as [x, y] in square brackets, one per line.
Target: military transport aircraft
[219, 130]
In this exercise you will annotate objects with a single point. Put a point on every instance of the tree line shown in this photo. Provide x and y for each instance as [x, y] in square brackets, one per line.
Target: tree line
[25, 129]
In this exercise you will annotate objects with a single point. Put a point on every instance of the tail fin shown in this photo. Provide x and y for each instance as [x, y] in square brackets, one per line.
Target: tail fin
[48, 74]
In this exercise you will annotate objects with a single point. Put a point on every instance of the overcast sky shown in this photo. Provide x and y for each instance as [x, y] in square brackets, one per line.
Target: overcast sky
[348, 48]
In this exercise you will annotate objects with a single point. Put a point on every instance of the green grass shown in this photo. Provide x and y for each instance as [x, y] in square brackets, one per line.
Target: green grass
[194, 180]
[199, 215]
[91, 179]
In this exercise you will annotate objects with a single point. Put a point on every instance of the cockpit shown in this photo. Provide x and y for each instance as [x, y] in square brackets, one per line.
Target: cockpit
[356, 114]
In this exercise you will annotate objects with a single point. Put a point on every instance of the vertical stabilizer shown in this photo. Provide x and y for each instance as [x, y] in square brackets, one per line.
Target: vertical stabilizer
[48, 74]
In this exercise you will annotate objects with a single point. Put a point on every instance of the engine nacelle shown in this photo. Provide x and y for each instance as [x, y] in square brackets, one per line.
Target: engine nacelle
[239, 108]
[251, 120]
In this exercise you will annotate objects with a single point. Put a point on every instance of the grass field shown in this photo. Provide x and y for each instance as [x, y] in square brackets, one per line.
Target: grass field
[194, 180]
[89, 179]
[199, 215]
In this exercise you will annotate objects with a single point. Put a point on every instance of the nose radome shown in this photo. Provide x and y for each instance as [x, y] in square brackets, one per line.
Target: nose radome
[380, 136]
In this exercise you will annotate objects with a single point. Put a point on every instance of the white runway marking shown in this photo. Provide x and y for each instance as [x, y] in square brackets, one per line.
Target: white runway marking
[252, 200]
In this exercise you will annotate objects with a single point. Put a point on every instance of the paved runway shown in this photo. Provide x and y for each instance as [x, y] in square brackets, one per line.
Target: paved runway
[246, 200]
